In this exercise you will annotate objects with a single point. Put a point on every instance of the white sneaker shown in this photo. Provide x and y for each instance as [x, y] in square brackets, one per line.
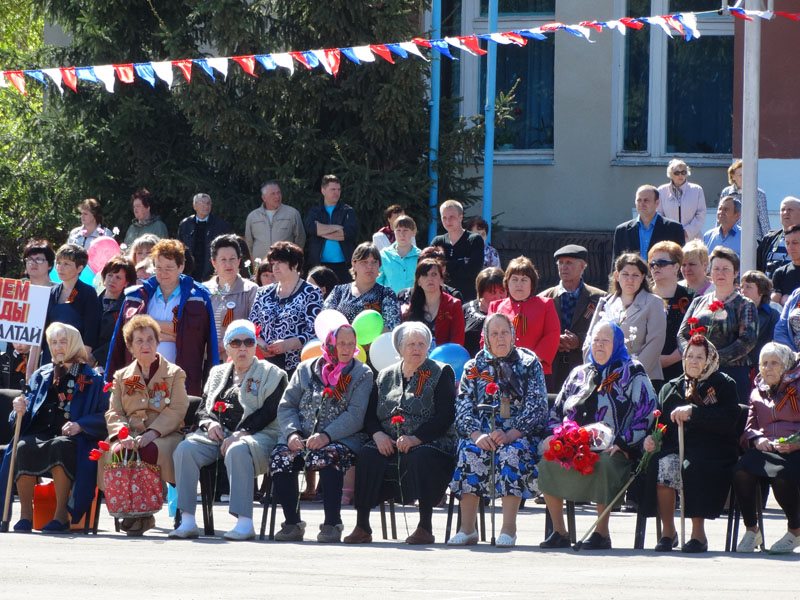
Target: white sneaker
[506, 541]
[786, 544]
[463, 539]
[750, 541]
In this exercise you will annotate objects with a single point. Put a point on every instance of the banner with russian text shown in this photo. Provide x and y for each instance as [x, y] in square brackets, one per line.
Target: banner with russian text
[23, 310]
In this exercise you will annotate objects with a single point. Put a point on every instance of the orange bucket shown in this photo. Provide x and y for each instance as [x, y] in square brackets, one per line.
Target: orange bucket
[44, 504]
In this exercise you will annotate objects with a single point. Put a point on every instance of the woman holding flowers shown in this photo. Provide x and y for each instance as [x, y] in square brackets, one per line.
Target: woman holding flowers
[610, 389]
[704, 401]
[501, 413]
[62, 418]
[238, 424]
[412, 451]
[321, 416]
[148, 402]
[771, 438]
[727, 318]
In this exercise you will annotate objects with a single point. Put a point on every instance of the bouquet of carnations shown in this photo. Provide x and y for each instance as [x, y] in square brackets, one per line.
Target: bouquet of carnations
[576, 447]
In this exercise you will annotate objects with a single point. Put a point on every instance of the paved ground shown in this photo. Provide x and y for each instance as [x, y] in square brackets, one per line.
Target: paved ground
[111, 565]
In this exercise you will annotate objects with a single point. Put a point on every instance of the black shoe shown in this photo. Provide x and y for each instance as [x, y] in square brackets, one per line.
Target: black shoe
[666, 544]
[597, 542]
[694, 546]
[555, 540]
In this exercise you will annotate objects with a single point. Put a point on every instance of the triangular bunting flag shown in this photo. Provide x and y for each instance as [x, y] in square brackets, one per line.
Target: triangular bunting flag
[689, 22]
[145, 71]
[661, 22]
[323, 60]
[164, 71]
[203, 64]
[382, 51]
[311, 59]
[69, 78]
[348, 52]
[185, 67]
[219, 64]
[472, 44]
[86, 74]
[532, 33]
[788, 15]
[248, 64]
[124, 73]
[17, 79]
[363, 53]
[740, 14]
[398, 50]
[334, 57]
[266, 61]
[299, 57]
[421, 42]
[596, 25]
[631, 23]
[105, 73]
[284, 60]
[55, 76]
[35, 74]
[411, 48]
[442, 48]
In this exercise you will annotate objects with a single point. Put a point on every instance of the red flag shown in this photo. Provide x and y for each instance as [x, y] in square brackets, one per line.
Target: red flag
[383, 51]
[69, 78]
[334, 56]
[421, 42]
[299, 57]
[592, 24]
[514, 37]
[675, 24]
[124, 73]
[248, 63]
[788, 15]
[17, 78]
[631, 23]
[471, 42]
[185, 66]
[740, 14]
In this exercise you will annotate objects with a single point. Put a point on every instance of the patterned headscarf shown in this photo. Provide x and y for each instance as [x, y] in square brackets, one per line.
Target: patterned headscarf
[486, 323]
[619, 353]
[332, 368]
[711, 366]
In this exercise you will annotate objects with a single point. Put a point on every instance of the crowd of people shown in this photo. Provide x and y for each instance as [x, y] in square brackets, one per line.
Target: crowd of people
[232, 321]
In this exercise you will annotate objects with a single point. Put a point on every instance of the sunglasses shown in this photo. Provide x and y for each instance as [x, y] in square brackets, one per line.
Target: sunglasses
[248, 343]
[661, 263]
[679, 172]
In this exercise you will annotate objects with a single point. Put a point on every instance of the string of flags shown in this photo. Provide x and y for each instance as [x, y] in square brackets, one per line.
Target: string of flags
[683, 24]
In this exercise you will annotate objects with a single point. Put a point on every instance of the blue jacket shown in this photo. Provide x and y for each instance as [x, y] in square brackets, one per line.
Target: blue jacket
[196, 334]
[87, 409]
[398, 272]
[783, 332]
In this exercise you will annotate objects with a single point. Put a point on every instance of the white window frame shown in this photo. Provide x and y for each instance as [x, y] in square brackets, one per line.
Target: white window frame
[475, 23]
[709, 25]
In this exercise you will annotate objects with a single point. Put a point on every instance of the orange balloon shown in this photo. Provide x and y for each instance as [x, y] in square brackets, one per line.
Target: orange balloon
[311, 350]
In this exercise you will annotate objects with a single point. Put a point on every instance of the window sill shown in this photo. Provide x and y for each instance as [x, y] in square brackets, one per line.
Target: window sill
[524, 157]
[694, 160]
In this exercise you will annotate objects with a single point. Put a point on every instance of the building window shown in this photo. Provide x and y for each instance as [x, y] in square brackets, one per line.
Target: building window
[677, 96]
[530, 67]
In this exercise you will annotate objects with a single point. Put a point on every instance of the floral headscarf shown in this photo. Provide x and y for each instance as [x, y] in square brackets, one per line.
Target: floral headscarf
[331, 367]
[711, 366]
[507, 378]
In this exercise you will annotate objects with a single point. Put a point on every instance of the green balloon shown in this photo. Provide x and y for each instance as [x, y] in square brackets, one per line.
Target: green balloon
[368, 325]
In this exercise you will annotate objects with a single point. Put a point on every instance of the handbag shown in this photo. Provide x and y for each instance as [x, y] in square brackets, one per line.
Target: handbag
[133, 488]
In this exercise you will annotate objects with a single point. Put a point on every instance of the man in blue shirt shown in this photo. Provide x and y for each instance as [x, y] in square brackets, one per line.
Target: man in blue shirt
[640, 234]
[728, 232]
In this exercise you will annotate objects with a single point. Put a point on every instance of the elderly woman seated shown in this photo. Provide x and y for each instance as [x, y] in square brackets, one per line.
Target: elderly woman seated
[149, 399]
[409, 418]
[238, 424]
[705, 402]
[771, 439]
[321, 416]
[62, 419]
[611, 389]
[501, 414]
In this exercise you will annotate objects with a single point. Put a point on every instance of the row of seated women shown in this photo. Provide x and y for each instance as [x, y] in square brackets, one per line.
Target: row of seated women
[410, 435]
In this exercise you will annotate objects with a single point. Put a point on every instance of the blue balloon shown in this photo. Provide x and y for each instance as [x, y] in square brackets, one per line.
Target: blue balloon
[87, 276]
[452, 354]
[54, 276]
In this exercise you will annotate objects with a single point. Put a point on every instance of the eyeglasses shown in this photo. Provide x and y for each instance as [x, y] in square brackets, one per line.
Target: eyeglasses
[248, 343]
[661, 263]
[684, 172]
[35, 261]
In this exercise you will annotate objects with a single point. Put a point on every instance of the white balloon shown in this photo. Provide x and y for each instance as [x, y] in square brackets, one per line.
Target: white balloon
[382, 353]
[326, 321]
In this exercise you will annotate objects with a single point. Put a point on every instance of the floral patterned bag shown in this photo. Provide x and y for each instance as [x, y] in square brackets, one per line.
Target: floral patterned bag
[133, 488]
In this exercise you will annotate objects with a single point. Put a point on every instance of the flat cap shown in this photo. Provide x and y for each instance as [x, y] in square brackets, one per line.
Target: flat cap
[572, 251]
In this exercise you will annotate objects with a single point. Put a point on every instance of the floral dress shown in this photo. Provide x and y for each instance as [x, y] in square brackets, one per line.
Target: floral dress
[378, 297]
[520, 403]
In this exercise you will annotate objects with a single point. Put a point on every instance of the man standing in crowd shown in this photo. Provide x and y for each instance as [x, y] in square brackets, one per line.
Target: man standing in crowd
[786, 279]
[649, 228]
[771, 252]
[463, 250]
[575, 303]
[332, 228]
[196, 233]
[272, 222]
[728, 232]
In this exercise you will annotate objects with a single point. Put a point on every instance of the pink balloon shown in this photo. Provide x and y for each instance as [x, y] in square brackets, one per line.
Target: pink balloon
[101, 250]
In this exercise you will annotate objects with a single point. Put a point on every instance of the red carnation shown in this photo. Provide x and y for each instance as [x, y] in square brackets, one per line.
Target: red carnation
[697, 331]
[656, 413]
[398, 420]
[108, 386]
[716, 305]
[95, 454]
[327, 392]
[104, 446]
[220, 406]
[692, 321]
[492, 388]
[123, 433]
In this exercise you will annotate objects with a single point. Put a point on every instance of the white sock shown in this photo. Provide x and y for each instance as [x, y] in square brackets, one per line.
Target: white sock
[244, 525]
[187, 522]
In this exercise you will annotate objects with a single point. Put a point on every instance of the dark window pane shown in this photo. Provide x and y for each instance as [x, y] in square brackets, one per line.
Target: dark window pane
[700, 95]
[693, 5]
[532, 127]
[451, 69]
[520, 6]
[637, 82]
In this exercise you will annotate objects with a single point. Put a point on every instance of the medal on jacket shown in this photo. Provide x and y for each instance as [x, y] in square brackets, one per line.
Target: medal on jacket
[252, 386]
[505, 407]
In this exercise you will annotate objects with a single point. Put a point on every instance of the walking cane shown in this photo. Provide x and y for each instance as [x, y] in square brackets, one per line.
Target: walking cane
[10, 481]
[682, 497]
[490, 408]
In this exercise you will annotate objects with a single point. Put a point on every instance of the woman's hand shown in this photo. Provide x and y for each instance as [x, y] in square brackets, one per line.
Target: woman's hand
[20, 405]
[215, 432]
[612, 450]
[649, 444]
[407, 442]
[148, 437]
[483, 441]
[127, 444]
[318, 441]
[383, 443]
[227, 443]
[70, 429]
[295, 442]
[764, 445]
[500, 437]
[784, 448]
[680, 415]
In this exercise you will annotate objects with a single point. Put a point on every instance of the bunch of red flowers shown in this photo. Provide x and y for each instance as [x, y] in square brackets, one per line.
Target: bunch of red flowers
[570, 446]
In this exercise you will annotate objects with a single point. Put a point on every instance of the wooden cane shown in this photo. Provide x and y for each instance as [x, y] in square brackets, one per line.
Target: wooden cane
[10, 481]
[682, 496]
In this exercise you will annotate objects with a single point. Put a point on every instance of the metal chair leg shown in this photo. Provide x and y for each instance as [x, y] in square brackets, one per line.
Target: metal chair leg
[392, 519]
[266, 496]
[450, 506]
[482, 516]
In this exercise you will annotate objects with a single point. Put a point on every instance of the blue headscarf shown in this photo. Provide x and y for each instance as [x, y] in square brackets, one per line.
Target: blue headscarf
[620, 352]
